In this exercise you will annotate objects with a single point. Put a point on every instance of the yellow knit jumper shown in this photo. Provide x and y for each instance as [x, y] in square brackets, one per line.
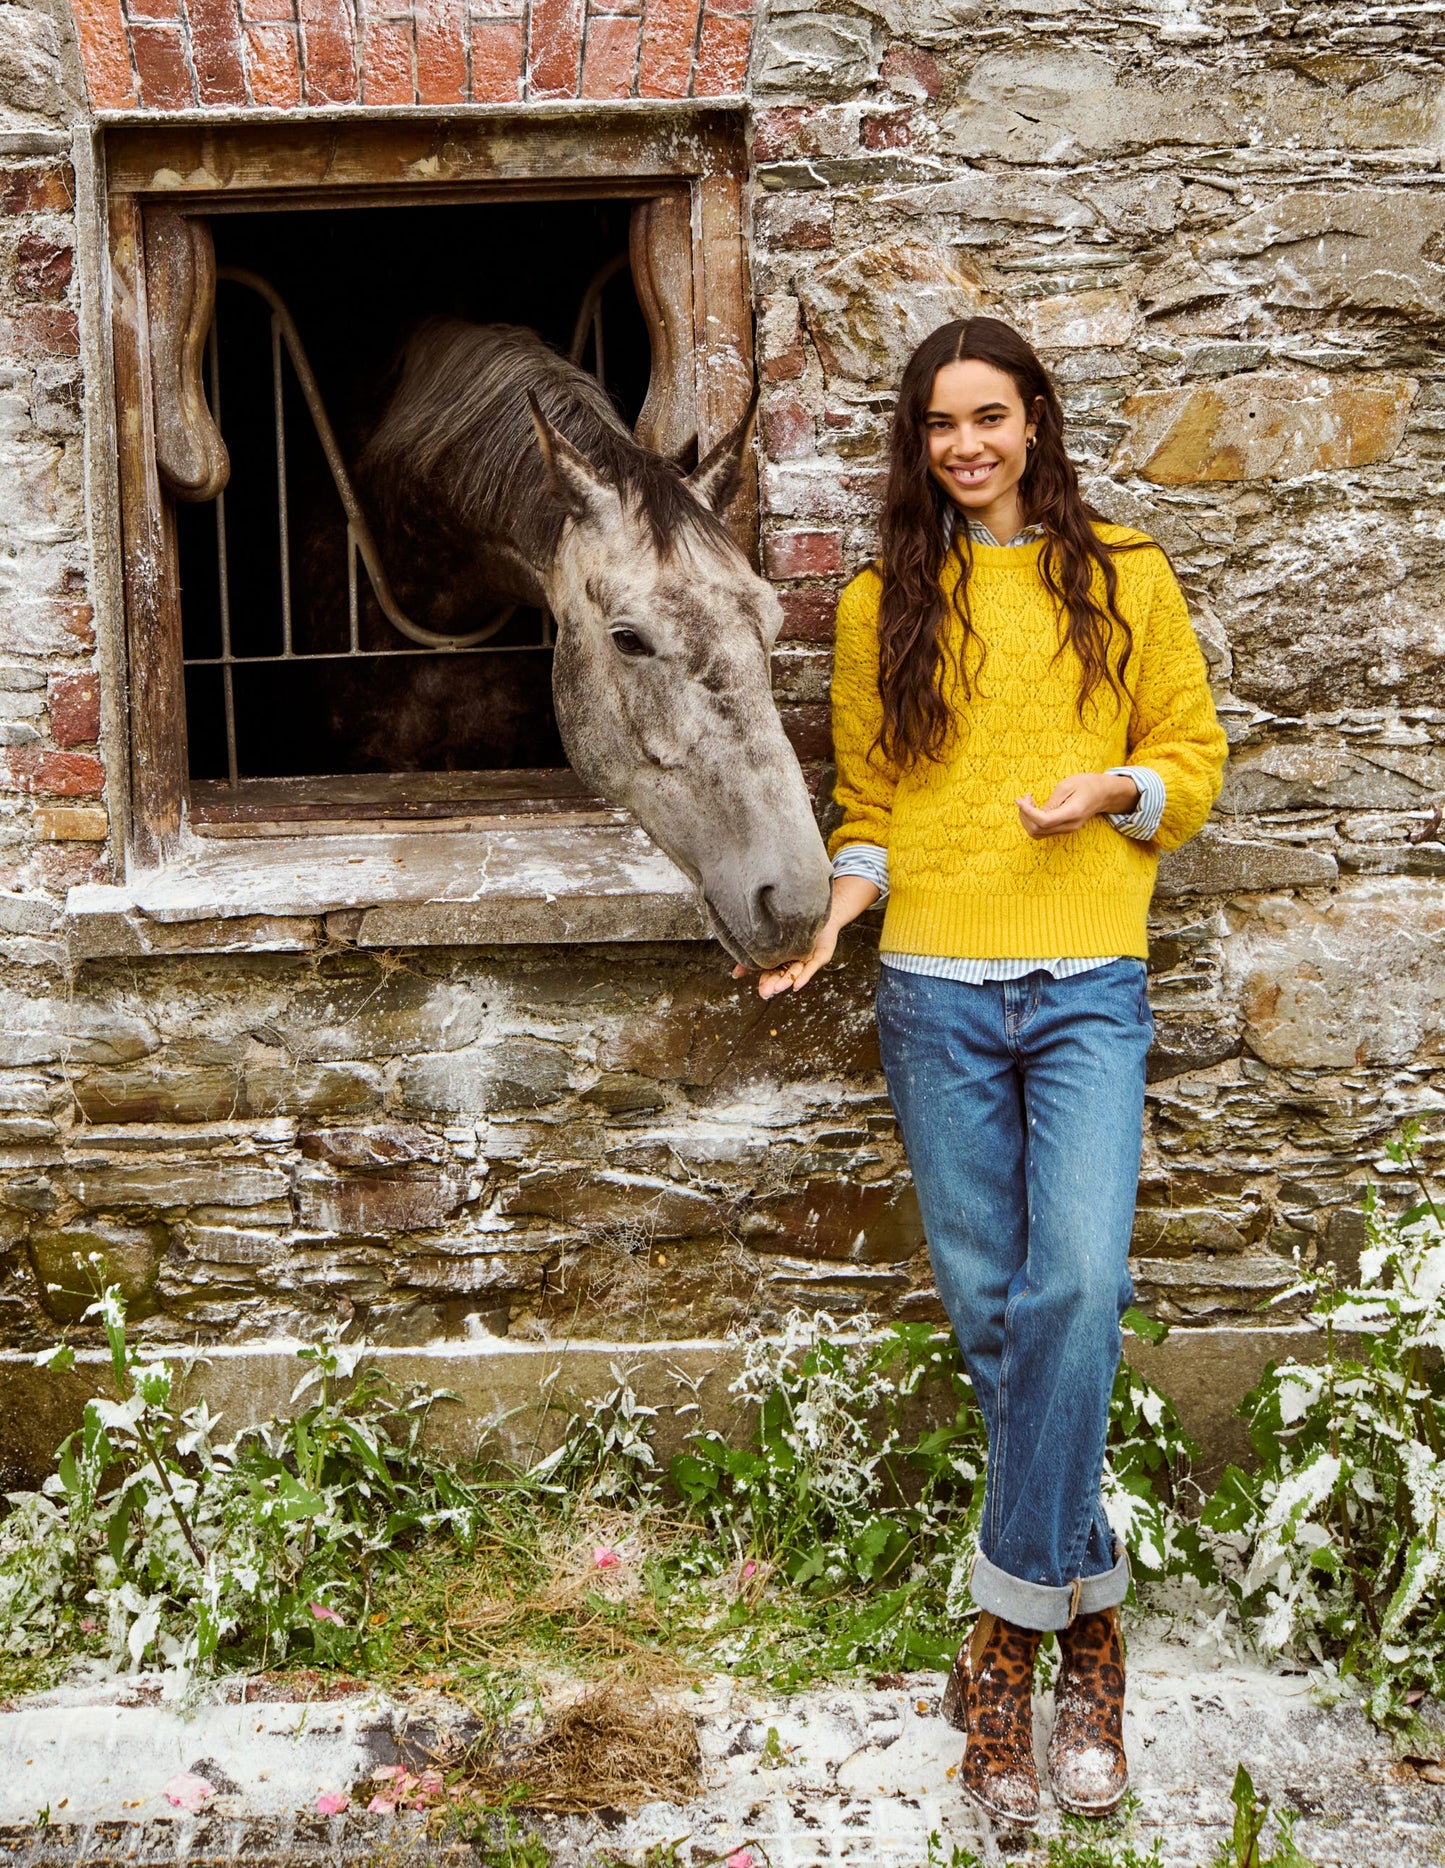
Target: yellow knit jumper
[966, 880]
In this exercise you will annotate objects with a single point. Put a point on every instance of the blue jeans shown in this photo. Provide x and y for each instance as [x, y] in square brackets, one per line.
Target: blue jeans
[1022, 1110]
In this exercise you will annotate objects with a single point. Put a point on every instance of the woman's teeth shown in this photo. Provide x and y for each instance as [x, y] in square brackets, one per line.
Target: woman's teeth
[972, 475]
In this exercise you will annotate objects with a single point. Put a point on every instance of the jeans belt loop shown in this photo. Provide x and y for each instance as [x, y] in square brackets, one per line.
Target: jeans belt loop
[1074, 1595]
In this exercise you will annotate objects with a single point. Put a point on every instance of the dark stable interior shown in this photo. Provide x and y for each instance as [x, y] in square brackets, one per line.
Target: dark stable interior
[357, 281]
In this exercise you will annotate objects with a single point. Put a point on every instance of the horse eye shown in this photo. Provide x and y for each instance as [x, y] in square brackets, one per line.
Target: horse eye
[630, 643]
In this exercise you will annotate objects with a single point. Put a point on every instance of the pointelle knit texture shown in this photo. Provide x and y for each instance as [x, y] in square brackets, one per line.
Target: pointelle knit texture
[966, 878]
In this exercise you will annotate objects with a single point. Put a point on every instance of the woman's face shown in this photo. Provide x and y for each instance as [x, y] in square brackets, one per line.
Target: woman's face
[978, 434]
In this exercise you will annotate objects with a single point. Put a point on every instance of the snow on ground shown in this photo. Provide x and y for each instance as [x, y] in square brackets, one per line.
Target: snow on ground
[838, 1774]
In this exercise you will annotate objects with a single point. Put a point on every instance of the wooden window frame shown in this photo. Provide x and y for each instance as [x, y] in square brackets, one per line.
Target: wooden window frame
[693, 160]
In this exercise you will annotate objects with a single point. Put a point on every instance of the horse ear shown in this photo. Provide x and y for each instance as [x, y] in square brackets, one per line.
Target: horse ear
[717, 475]
[569, 473]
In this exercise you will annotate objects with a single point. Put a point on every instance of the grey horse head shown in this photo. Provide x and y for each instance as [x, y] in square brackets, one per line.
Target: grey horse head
[663, 694]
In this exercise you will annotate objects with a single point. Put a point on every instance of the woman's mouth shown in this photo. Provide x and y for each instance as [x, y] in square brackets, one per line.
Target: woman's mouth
[971, 473]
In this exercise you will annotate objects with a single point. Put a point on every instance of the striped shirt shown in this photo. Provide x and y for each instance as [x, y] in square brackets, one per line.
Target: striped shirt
[870, 861]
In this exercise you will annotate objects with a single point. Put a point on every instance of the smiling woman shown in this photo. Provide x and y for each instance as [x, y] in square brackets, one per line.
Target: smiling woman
[1011, 648]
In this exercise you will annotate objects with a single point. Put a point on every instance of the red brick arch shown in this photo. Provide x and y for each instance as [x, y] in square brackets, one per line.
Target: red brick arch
[165, 55]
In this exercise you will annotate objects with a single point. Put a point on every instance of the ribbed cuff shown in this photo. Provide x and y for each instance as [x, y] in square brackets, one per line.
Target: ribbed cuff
[1037, 1605]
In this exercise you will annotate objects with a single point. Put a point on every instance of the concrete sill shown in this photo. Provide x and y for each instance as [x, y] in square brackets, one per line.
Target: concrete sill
[547, 882]
[518, 1395]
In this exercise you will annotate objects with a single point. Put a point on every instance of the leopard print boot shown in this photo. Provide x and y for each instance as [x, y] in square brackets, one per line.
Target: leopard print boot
[989, 1698]
[1086, 1752]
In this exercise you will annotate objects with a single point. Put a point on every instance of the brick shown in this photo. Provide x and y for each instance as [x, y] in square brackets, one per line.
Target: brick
[609, 62]
[788, 430]
[71, 823]
[665, 68]
[785, 366]
[804, 554]
[775, 133]
[441, 52]
[58, 774]
[554, 55]
[631, 8]
[386, 63]
[274, 65]
[74, 704]
[100, 28]
[216, 51]
[42, 267]
[162, 67]
[780, 338]
[800, 223]
[37, 188]
[912, 72]
[498, 50]
[274, 11]
[42, 331]
[793, 131]
[808, 614]
[809, 731]
[328, 40]
[890, 129]
[721, 66]
[78, 620]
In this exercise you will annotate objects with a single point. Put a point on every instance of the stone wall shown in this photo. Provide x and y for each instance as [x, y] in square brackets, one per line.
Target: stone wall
[1225, 227]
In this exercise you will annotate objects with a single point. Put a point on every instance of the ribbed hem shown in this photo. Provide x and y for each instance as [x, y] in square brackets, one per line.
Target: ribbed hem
[1019, 927]
[1039, 1606]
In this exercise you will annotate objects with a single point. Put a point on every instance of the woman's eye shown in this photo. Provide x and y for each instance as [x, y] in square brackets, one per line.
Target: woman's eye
[630, 643]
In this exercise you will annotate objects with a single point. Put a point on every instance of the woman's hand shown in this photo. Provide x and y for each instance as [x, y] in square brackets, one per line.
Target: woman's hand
[851, 895]
[1075, 800]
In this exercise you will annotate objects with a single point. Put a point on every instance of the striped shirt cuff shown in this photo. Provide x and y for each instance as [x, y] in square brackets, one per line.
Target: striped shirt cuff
[868, 860]
[1142, 823]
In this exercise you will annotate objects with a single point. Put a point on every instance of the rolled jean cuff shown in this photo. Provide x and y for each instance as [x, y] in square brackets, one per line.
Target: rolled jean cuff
[1039, 1605]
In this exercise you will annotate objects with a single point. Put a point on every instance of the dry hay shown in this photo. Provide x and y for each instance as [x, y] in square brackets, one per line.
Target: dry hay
[496, 1623]
[613, 1748]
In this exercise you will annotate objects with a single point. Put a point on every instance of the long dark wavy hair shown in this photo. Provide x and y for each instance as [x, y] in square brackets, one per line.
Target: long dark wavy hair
[916, 541]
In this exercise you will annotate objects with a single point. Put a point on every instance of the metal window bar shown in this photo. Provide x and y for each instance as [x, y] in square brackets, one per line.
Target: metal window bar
[361, 547]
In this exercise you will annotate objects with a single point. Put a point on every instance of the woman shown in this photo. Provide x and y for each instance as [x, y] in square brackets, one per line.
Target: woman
[1022, 722]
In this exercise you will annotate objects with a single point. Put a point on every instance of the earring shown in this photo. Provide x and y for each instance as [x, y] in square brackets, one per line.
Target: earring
[1029, 444]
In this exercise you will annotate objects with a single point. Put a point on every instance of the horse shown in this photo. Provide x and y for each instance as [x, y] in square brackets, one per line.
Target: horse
[498, 474]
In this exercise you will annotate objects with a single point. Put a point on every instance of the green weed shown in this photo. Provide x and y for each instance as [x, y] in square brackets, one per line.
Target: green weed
[1331, 1544]
[865, 1518]
[1244, 1847]
[958, 1856]
[1075, 1850]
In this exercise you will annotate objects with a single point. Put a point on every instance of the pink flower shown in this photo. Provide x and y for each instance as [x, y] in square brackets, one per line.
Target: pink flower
[430, 1784]
[324, 1614]
[388, 1773]
[188, 1793]
[87, 1624]
[605, 1557]
[381, 1806]
[331, 1802]
[740, 1858]
[750, 1570]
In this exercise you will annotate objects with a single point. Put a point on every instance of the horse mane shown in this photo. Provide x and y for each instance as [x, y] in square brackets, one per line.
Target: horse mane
[459, 425]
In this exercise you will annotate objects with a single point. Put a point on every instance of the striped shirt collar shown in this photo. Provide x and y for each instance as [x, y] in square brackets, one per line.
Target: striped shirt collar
[979, 534]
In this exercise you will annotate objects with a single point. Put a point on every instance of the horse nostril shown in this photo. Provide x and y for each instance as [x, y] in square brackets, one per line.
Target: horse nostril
[767, 922]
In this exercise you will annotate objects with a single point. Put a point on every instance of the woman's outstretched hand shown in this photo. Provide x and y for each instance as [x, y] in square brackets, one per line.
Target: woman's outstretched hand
[1075, 800]
[851, 895]
[796, 974]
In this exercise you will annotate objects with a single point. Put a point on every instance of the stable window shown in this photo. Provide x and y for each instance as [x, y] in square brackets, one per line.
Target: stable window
[285, 680]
